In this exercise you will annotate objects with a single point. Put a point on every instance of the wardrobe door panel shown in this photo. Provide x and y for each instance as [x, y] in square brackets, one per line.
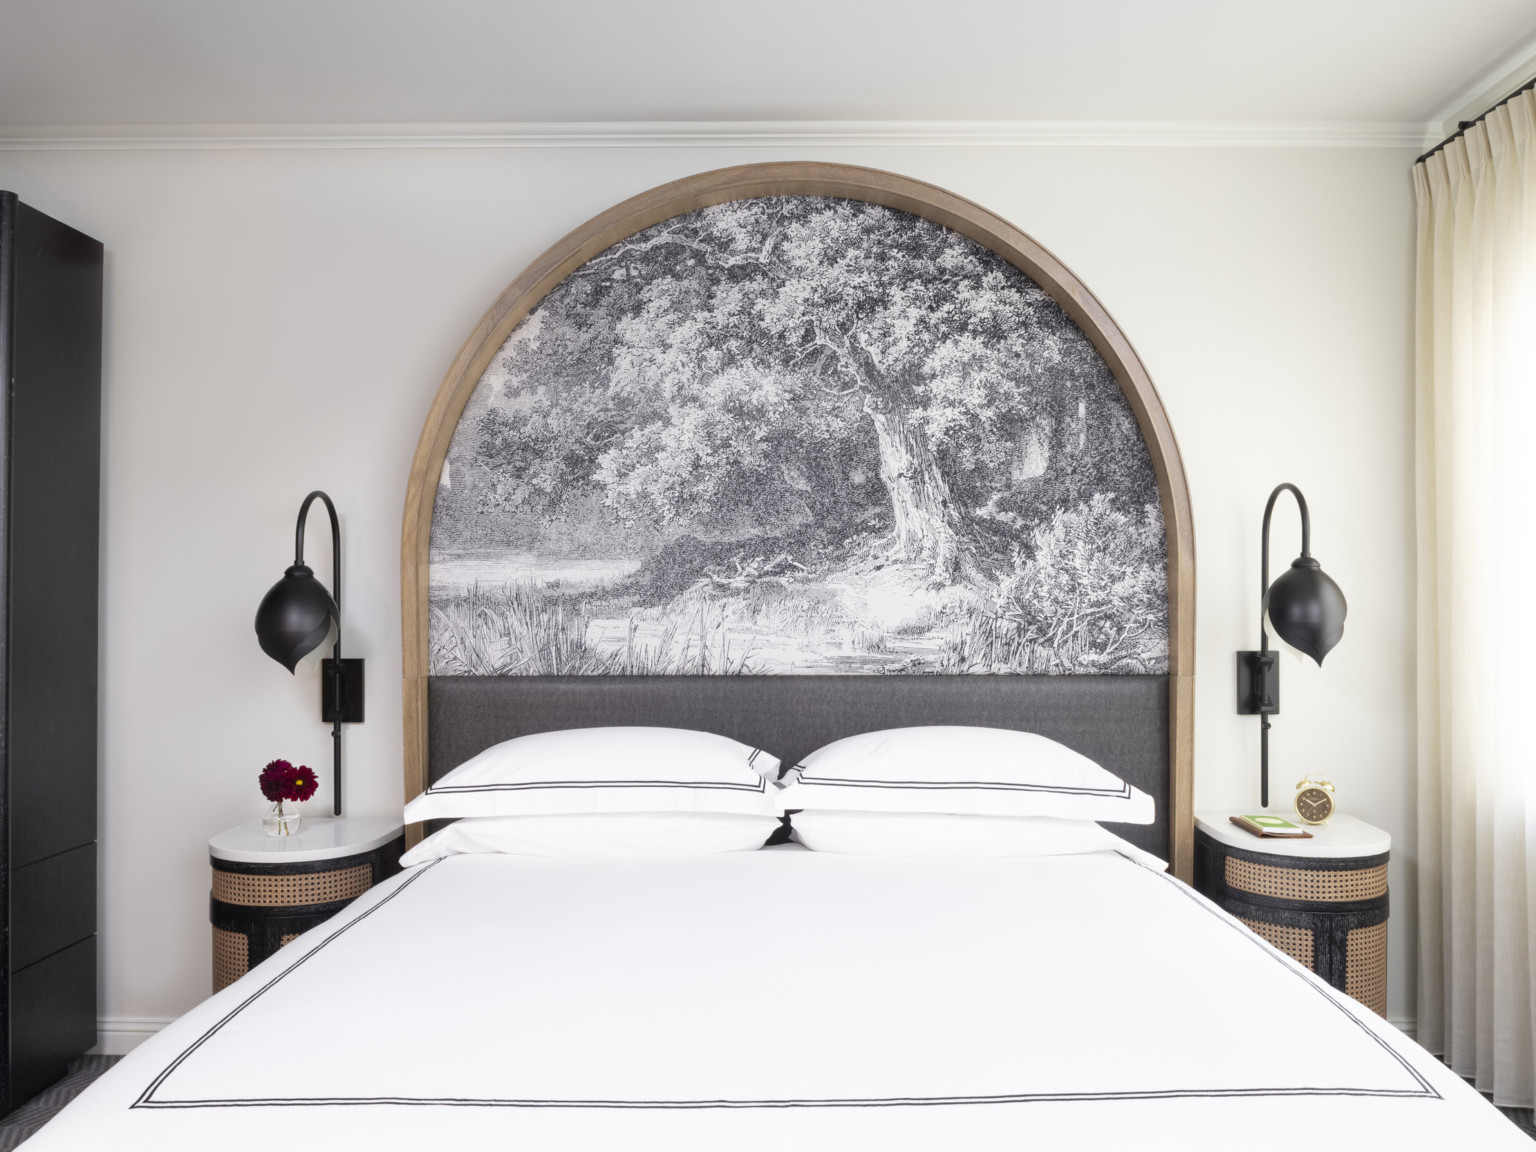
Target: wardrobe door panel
[55, 482]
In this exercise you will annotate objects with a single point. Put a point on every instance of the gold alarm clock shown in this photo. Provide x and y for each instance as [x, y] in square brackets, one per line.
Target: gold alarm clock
[1314, 799]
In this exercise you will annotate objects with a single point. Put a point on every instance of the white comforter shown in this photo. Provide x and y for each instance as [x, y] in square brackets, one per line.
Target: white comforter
[779, 999]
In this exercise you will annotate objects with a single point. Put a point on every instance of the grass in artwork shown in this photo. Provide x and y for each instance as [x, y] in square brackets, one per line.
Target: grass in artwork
[1085, 596]
[511, 631]
[527, 630]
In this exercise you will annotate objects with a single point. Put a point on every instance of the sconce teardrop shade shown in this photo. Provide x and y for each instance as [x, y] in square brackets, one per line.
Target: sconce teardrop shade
[295, 617]
[1306, 609]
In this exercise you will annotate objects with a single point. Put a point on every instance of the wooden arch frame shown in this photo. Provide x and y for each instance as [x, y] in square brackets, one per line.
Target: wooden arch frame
[804, 178]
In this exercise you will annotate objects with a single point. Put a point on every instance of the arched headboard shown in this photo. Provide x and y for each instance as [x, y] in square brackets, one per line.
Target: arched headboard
[1107, 704]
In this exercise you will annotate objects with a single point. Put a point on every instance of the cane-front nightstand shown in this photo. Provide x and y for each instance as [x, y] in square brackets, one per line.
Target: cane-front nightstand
[267, 890]
[1323, 901]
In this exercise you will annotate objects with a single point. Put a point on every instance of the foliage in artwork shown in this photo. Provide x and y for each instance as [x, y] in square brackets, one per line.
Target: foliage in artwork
[797, 435]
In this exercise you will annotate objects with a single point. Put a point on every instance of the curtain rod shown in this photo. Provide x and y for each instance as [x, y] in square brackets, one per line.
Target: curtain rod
[1462, 126]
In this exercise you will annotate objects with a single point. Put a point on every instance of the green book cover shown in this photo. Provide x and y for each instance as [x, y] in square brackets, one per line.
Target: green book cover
[1275, 825]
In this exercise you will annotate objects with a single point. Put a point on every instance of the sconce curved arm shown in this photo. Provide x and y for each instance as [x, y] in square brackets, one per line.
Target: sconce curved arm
[298, 551]
[1306, 551]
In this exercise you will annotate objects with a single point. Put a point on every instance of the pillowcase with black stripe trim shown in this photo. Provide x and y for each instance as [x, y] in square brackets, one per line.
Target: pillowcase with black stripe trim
[960, 770]
[945, 834]
[605, 770]
[598, 835]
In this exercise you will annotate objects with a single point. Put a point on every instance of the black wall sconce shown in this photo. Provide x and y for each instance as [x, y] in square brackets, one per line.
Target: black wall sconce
[1305, 608]
[295, 618]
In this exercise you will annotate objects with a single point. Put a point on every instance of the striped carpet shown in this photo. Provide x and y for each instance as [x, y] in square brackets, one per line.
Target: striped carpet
[1522, 1119]
[37, 1111]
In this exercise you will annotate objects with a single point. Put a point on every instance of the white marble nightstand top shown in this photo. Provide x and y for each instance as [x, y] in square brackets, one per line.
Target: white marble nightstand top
[1344, 836]
[319, 838]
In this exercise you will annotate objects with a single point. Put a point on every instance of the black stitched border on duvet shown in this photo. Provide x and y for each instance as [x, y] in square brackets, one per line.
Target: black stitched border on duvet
[1313, 982]
[1424, 1091]
[144, 1099]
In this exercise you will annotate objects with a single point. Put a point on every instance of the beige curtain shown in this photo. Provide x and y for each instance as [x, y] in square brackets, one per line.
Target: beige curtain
[1476, 465]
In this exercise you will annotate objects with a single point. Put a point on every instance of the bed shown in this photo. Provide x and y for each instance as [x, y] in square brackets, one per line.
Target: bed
[785, 998]
[780, 999]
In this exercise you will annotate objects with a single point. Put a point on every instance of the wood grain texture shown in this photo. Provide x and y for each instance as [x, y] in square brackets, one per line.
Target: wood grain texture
[415, 714]
[805, 178]
[1181, 769]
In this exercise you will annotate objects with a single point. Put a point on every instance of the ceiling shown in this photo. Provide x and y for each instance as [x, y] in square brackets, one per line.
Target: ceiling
[104, 62]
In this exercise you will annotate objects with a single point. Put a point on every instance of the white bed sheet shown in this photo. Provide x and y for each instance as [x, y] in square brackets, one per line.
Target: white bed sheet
[778, 999]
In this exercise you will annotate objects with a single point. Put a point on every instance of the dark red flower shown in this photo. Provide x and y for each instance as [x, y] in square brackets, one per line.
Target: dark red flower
[281, 781]
[276, 780]
[304, 783]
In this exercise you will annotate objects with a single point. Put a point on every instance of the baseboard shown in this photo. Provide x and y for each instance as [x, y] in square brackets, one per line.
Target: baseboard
[120, 1035]
[1408, 1027]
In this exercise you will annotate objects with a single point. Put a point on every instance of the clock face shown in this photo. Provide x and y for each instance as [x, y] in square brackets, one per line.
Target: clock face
[1314, 805]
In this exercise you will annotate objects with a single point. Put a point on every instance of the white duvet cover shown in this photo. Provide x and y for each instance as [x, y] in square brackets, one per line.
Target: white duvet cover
[779, 999]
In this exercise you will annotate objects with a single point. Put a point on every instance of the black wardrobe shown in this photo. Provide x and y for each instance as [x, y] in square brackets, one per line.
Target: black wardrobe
[50, 438]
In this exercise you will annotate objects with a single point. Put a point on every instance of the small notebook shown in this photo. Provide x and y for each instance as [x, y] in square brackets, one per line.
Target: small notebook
[1263, 824]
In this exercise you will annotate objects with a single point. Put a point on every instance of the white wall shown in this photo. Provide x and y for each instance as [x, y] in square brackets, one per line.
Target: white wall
[278, 320]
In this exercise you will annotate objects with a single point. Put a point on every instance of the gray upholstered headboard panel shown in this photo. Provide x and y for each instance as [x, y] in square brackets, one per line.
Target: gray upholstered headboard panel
[1119, 721]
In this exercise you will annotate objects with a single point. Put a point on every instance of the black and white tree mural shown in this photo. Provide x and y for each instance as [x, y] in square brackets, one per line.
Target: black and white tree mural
[798, 435]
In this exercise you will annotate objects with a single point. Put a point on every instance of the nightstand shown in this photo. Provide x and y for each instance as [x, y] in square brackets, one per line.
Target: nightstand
[267, 890]
[1322, 901]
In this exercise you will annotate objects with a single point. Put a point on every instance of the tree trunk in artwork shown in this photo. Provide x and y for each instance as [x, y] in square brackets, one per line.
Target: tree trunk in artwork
[928, 527]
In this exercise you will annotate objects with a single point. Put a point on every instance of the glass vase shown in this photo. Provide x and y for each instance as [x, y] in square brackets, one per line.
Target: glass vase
[281, 822]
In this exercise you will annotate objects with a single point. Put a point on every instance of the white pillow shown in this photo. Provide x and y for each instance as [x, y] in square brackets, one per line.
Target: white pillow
[605, 770]
[610, 835]
[965, 771]
[942, 834]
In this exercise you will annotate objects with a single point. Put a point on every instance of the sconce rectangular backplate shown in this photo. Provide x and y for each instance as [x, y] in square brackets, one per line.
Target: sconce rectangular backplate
[351, 685]
[1258, 683]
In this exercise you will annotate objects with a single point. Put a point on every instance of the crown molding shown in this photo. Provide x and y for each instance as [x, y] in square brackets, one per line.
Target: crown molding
[1491, 85]
[726, 134]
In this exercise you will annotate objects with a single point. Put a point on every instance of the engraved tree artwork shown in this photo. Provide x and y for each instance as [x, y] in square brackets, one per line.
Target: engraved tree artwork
[838, 436]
